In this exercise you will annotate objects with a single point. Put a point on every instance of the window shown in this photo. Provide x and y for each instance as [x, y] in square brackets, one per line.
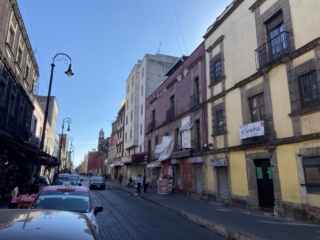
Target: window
[3, 91]
[13, 99]
[26, 75]
[276, 33]
[128, 88]
[141, 109]
[140, 149]
[35, 123]
[176, 140]
[132, 81]
[142, 73]
[126, 137]
[21, 112]
[156, 141]
[19, 56]
[141, 129]
[126, 120]
[130, 133]
[131, 97]
[309, 89]
[220, 122]
[311, 166]
[197, 136]
[216, 69]
[131, 115]
[11, 37]
[142, 90]
[257, 108]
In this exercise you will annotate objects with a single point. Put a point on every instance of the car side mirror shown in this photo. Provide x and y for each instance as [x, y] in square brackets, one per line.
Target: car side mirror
[81, 180]
[97, 209]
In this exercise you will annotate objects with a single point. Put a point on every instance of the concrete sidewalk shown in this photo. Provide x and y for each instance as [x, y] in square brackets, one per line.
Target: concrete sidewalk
[229, 222]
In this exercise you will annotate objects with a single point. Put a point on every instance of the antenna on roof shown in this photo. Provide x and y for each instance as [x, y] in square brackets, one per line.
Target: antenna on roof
[159, 48]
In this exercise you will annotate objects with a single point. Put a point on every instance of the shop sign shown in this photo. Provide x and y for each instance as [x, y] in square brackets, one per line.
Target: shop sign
[251, 130]
[126, 159]
[175, 161]
[195, 160]
[218, 162]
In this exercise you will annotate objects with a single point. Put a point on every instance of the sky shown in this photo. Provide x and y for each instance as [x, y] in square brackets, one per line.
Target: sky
[104, 39]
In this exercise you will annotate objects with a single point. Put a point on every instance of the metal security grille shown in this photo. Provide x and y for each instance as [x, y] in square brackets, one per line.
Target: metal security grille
[311, 167]
[304, 86]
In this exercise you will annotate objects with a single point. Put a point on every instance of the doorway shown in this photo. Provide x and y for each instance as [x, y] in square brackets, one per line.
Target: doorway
[264, 176]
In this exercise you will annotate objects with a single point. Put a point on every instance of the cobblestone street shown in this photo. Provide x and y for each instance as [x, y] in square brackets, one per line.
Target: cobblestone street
[131, 217]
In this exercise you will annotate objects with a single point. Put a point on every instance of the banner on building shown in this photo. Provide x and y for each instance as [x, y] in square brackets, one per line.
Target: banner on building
[251, 130]
[165, 148]
[185, 130]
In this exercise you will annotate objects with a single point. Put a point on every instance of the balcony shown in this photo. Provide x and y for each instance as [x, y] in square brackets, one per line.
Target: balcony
[272, 50]
[194, 100]
[151, 125]
[120, 140]
[170, 114]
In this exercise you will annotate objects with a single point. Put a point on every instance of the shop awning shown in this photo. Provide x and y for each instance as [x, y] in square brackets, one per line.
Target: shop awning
[153, 165]
[116, 164]
[165, 148]
[134, 158]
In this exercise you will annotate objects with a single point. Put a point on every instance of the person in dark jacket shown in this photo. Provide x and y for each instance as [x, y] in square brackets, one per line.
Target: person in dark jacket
[145, 183]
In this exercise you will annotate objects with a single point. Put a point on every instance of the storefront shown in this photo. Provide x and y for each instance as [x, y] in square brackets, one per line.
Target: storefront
[222, 178]
[197, 164]
[134, 165]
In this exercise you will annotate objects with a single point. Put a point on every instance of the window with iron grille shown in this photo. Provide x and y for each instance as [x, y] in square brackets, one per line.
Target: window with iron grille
[304, 86]
[309, 89]
[216, 69]
[218, 120]
[311, 166]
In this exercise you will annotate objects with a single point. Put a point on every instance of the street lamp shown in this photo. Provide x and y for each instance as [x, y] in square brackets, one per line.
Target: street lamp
[59, 56]
[67, 120]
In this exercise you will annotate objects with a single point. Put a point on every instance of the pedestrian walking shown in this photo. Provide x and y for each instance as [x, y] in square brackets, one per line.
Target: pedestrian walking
[146, 182]
[120, 179]
[139, 182]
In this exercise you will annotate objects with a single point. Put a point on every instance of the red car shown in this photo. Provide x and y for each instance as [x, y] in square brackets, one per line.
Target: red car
[67, 198]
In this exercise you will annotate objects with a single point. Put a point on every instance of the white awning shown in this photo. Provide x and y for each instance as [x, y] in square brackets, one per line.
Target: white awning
[116, 164]
[154, 164]
[187, 126]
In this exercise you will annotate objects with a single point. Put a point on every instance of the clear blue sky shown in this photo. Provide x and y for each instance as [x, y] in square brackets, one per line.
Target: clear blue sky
[105, 38]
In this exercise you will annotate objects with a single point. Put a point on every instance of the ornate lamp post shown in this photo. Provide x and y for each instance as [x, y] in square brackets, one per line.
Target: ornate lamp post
[58, 57]
[67, 120]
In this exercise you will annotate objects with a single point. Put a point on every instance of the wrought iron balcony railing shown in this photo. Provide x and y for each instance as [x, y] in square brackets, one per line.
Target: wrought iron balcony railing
[195, 100]
[272, 50]
[170, 114]
[196, 145]
[151, 125]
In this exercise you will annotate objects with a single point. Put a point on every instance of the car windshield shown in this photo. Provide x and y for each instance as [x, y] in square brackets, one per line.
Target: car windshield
[66, 201]
[97, 179]
[62, 178]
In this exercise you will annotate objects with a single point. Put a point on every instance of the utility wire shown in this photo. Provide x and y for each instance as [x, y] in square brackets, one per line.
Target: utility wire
[173, 27]
[76, 46]
[179, 26]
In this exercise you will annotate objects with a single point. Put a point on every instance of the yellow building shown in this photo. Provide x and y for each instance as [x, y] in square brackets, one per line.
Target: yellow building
[263, 62]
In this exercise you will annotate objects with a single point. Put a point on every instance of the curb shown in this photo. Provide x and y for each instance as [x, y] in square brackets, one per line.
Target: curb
[222, 230]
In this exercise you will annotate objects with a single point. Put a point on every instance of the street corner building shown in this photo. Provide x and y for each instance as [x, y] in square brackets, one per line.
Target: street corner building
[263, 61]
[19, 136]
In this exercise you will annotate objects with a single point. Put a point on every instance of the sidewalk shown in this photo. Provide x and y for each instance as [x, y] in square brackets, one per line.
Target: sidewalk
[229, 222]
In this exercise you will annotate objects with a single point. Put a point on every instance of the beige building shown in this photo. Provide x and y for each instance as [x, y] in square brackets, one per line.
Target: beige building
[263, 62]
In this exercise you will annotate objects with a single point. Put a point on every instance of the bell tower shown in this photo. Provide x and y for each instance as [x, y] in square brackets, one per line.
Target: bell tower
[101, 136]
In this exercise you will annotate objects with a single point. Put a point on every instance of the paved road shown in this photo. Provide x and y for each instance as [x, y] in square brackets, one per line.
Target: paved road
[131, 217]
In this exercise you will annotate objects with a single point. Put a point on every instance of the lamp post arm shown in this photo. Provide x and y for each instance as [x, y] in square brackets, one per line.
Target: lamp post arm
[61, 54]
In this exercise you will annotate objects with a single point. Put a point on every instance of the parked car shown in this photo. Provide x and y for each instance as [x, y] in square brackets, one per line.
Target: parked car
[67, 198]
[97, 183]
[45, 224]
[66, 177]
